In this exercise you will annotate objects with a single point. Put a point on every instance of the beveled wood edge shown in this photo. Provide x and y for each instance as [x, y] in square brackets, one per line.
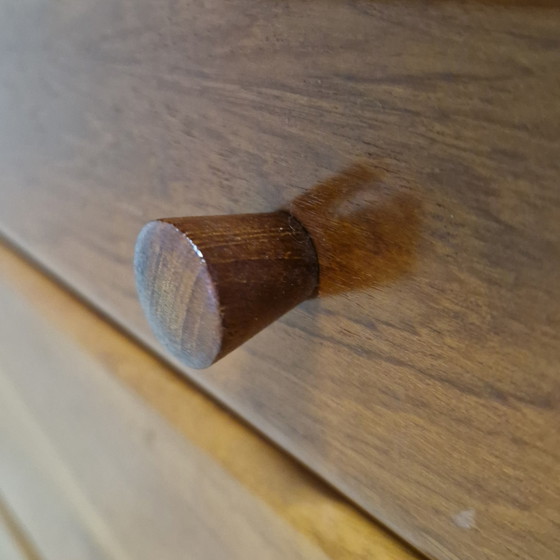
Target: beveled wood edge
[323, 516]
[18, 539]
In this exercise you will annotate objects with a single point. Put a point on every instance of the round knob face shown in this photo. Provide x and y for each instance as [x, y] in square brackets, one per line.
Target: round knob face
[177, 294]
[207, 284]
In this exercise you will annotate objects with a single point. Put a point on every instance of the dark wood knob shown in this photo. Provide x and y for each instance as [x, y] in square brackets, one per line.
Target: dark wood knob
[208, 284]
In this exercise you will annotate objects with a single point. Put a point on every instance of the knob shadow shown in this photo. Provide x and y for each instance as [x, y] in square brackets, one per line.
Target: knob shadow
[365, 225]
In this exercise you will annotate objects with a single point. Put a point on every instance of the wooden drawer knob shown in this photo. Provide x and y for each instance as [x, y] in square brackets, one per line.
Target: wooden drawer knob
[208, 284]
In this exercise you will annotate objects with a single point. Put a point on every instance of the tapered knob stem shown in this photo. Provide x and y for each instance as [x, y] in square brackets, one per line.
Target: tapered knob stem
[208, 284]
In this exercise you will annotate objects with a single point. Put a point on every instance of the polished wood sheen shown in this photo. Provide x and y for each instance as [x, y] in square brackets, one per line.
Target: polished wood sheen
[418, 142]
[208, 284]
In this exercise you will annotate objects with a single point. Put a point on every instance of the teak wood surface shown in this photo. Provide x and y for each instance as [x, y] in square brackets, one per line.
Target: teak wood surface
[417, 141]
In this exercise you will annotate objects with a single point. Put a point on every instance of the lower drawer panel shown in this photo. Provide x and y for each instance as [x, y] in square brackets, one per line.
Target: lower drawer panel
[106, 454]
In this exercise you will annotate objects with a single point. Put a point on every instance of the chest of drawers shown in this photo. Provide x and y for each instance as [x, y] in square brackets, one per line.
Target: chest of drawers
[418, 144]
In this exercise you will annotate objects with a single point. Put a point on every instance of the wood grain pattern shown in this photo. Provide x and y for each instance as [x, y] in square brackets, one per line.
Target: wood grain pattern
[107, 453]
[424, 384]
[208, 284]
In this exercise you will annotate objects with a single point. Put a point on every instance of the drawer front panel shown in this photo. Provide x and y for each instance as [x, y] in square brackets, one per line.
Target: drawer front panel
[417, 142]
